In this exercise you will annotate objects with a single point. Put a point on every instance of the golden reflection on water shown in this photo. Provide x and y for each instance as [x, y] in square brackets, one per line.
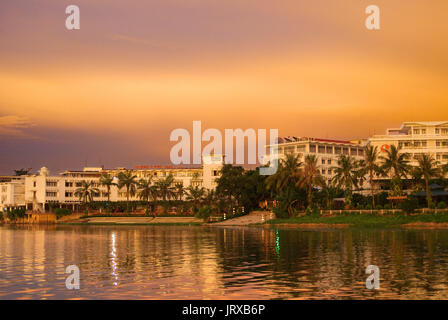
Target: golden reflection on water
[114, 262]
[168, 262]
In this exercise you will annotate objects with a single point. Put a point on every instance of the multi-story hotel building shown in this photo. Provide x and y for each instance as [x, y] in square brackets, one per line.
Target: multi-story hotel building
[416, 138]
[12, 192]
[326, 150]
[37, 191]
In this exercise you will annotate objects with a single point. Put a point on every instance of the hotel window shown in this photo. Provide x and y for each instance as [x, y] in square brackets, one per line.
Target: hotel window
[34, 183]
[312, 148]
[416, 131]
[337, 150]
[445, 157]
[416, 143]
[353, 151]
[290, 149]
[329, 171]
[68, 184]
[323, 161]
[301, 148]
[345, 150]
[437, 131]
[424, 144]
[444, 131]
[78, 184]
[423, 131]
[50, 194]
[215, 173]
[329, 149]
[69, 194]
[52, 184]
[329, 161]
[321, 149]
[323, 171]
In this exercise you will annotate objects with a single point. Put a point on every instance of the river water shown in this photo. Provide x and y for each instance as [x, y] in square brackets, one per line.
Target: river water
[191, 262]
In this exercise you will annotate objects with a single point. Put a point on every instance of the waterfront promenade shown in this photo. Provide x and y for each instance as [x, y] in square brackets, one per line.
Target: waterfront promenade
[251, 218]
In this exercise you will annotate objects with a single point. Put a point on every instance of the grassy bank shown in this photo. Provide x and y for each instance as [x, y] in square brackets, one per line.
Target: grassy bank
[364, 221]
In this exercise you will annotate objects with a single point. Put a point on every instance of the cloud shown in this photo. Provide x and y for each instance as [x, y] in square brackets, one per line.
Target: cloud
[15, 126]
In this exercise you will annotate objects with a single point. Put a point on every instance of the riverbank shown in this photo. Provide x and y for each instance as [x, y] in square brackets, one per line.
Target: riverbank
[183, 221]
[346, 221]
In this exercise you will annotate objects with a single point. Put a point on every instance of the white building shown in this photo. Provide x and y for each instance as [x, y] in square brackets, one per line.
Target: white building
[12, 193]
[416, 138]
[327, 151]
[43, 189]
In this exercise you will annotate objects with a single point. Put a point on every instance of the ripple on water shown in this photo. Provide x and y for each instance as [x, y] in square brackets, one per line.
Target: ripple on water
[138, 262]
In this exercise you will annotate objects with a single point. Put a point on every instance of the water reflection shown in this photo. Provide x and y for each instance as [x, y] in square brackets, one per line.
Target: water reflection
[114, 257]
[161, 262]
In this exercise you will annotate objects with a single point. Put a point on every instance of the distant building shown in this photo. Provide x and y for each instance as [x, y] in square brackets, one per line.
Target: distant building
[416, 138]
[43, 189]
[327, 151]
[12, 193]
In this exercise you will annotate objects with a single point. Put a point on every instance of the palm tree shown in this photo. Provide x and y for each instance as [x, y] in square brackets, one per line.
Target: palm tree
[86, 192]
[108, 181]
[179, 190]
[196, 195]
[445, 168]
[396, 165]
[289, 173]
[371, 167]
[165, 188]
[330, 192]
[146, 191]
[428, 168]
[311, 176]
[416, 179]
[128, 180]
[346, 176]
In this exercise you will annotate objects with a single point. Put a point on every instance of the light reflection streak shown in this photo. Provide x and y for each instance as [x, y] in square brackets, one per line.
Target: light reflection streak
[114, 262]
[277, 243]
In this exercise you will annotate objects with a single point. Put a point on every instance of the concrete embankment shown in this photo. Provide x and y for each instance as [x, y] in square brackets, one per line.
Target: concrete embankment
[251, 218]
[138, 220]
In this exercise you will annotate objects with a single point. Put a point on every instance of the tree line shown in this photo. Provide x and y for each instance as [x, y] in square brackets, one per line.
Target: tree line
[294, 177]
[295, 186]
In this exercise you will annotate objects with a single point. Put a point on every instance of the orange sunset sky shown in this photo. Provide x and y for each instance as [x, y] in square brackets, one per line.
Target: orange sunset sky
[111, 93]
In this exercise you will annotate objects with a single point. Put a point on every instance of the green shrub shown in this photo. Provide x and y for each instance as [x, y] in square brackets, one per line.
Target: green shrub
[379, 207]
[204, 212]
[441, 205]
[387, 206]
[409, 205]
[60, 212]
[16, 214]
[368, 207]
[312, 211]
[432, 205]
